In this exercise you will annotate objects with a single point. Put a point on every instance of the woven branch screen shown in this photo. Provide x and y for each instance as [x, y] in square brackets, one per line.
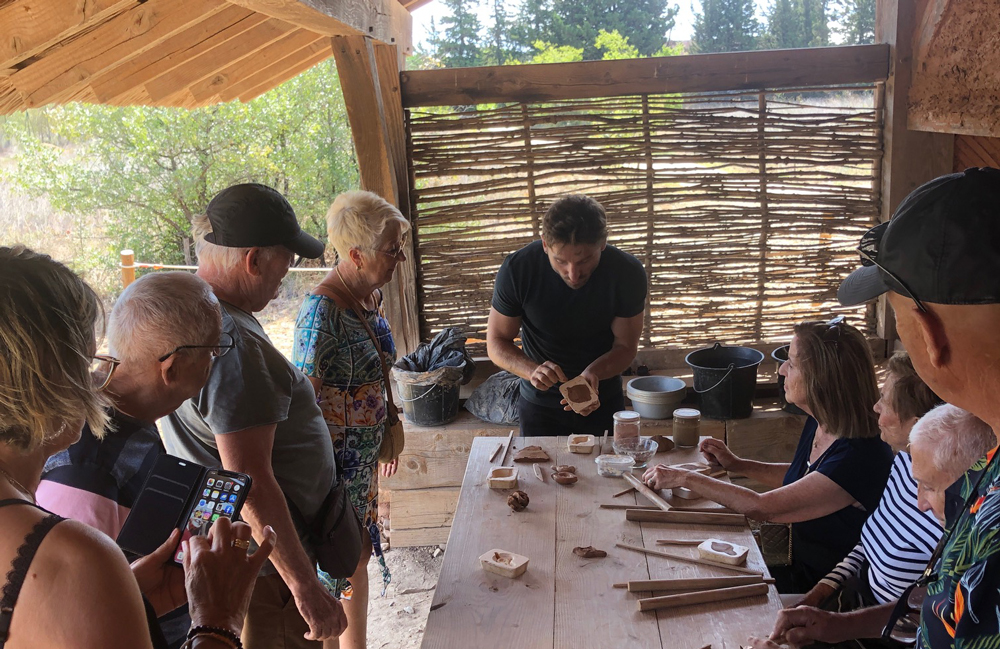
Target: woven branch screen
[745, 208]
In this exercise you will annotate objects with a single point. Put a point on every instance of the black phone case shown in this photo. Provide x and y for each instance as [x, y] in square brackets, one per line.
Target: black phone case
[165, 503]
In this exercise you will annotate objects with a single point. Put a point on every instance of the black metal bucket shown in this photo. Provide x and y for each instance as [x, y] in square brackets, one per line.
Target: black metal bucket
[725, 379]
[781, 355]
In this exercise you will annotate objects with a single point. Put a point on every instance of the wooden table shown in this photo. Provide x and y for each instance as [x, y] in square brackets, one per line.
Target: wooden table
[564, 601]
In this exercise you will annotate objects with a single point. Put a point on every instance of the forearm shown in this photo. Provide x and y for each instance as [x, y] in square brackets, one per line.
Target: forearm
[865, 622]
[508, 356]
[266, 506]
[734, 497]
[613, 363]
[770, 474]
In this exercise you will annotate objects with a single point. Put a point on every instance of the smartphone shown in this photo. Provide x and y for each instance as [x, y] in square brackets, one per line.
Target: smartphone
[220, 494]
[179, 494]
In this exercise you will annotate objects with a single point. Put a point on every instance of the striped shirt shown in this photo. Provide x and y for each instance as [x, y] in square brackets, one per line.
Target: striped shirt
[896, 541]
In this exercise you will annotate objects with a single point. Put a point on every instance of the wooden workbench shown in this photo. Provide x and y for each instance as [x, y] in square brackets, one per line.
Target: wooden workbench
[564, 601]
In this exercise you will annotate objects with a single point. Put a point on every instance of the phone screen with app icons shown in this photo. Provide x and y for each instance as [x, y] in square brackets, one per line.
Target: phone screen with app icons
[221, 495]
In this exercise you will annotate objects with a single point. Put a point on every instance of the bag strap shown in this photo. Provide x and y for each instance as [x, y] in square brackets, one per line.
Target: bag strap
[325, 289]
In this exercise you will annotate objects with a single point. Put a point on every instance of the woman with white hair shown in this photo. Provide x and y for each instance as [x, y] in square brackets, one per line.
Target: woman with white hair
[944, 444]
[334, 349]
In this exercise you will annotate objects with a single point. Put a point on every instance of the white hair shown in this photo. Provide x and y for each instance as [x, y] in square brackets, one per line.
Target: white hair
[161, 311]
[357, 219]
[223, 259]
[955, 438]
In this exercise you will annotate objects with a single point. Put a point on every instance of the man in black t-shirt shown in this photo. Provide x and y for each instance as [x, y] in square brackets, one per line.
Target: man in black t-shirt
[578, 305]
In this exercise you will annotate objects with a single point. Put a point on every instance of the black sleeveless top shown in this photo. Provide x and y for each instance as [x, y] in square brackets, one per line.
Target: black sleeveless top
[19, 567]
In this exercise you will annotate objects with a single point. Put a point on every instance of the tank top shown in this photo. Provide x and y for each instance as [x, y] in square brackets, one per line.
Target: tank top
[19, 566]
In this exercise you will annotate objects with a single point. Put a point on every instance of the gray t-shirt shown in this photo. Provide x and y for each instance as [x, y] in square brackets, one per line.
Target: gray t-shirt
[255, 385]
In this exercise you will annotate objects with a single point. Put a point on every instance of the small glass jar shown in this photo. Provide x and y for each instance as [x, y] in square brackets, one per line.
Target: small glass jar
[687, 427]
[627, 424]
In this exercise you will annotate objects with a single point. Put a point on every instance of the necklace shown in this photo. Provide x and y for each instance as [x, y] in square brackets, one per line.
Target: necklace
[17, 485]
[341, 278]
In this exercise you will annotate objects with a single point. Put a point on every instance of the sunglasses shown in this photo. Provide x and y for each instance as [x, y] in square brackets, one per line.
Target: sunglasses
[867, 259]
[832, 332]
[904, 622]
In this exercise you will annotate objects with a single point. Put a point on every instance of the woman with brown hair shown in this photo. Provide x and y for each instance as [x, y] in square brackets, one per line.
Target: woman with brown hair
[69, 585]
[840, 467]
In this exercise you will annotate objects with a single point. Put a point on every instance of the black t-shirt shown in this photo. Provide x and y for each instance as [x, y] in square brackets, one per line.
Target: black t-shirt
[858, 466]
[570, 327]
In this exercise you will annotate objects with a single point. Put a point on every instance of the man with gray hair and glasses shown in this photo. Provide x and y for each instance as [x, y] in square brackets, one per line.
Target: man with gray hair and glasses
[163, 333]
[258, 413]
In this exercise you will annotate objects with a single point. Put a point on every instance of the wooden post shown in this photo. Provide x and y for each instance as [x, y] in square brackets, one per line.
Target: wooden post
[764, 217]
[128, 267]
[369, 79]
[910, 158]
[647, 138]
[530, 159]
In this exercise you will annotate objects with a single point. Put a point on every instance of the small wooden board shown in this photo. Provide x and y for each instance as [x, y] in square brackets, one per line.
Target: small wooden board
[578, 394]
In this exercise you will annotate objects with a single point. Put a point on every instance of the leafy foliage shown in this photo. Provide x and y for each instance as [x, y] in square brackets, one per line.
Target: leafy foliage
[725, 26]
[151, 171]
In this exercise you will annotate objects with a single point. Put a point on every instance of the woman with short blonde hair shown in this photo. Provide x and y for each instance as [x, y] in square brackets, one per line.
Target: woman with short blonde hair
[840, 467]
[334, 350]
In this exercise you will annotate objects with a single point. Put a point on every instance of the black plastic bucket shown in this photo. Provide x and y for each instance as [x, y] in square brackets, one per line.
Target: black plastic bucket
[429, 404]
[725, 379]
[781, 355]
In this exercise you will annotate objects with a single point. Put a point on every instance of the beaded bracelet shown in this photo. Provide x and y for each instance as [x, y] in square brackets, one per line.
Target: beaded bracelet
[218, 632]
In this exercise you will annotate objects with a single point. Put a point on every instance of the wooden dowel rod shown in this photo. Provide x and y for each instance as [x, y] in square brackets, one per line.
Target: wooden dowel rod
[651, 495]
[690, 584]
[680, 557]
[702, 597]
[690, 518]
[493, 455]
[620, 585]
[624, 491]
[627, 506]
[503, 458]
[680, 541]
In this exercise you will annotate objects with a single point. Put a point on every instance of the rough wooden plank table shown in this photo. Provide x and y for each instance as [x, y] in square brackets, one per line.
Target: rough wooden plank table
[564, 601]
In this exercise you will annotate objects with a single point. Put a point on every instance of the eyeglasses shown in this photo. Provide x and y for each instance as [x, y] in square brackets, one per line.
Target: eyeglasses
[905, 619]
[865, 257]
[226, 343]
[100, 364]
[395, 253]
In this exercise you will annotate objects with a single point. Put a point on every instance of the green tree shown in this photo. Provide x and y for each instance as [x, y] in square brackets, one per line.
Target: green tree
[725, 26]
[855, 21]
[151, 171]
[549, 53]
[797, 23]
[645, 22]
[497, 49]
[531, 23]
[457, 46]
[615, 46]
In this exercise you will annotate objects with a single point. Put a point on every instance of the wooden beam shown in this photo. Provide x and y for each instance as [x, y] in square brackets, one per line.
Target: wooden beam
[910, 158]
[384, 20]
[62, 70]
[10, 99]
[295, 66]
[820, 66]
[204, 65]
[29, 27]
[280, 49]
[403, 288]
[194, 41]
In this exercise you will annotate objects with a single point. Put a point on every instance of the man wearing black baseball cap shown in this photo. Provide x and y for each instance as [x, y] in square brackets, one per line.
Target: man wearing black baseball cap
[938, 260]
[257, 414]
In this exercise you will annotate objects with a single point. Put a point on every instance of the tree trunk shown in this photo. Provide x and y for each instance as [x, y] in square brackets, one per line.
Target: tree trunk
[187, 245]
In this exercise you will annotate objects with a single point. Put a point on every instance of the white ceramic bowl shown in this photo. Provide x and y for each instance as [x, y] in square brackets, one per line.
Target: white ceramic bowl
[656, 397]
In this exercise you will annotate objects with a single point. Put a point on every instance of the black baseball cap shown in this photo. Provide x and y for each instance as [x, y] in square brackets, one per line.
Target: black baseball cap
[253, 215]
[941, 246]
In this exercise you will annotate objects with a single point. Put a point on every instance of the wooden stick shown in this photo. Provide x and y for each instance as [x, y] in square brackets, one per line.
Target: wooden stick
[624, 491]
[705, 510]
[651, 495]
[604, 440]
[627, 506]
[620, 584]
[688, 518]
[680, 557]
[702, 597]
[538, 471]
[493, 455]
[680, 541]
[690, 584]
[503, 458]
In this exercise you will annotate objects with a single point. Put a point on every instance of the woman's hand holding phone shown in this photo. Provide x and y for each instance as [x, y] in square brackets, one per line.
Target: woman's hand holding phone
[220, 574]
[161, 581]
